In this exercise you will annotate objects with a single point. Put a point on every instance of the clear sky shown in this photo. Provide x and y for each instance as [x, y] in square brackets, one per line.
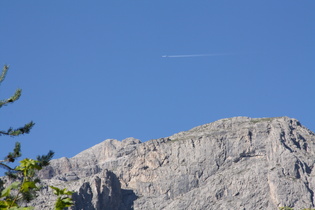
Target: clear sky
[93, 70]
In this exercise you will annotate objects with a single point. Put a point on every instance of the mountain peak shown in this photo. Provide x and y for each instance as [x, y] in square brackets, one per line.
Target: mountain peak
[233, 163]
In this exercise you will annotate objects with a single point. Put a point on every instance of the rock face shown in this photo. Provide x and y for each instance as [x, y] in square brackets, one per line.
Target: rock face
[236, 163]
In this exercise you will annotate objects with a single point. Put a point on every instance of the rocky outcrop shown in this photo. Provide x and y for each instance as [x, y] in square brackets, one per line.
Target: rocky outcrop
[236, 163]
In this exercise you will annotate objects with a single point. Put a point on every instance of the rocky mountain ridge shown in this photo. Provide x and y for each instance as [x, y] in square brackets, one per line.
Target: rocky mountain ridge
[235, 163]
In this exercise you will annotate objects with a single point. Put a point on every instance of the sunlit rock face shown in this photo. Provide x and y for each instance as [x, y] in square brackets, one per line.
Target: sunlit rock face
[235, 163]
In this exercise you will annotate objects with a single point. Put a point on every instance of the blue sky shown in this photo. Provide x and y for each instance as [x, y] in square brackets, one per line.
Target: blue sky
[93, 70]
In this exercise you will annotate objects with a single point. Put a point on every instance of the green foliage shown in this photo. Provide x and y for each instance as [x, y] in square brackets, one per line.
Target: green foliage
[285, 208]
[43, 160]
[12, 156]
[4, 73]
[11, 131]
[23, 182]
[23, 188]
[64, 198]
[17, 93]
[264, 120]
[18, 131]
[289, 208]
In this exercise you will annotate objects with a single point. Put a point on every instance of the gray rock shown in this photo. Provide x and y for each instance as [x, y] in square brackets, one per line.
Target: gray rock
[236, 163]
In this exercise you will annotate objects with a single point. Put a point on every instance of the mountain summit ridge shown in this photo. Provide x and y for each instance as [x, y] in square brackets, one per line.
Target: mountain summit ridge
[232, 163]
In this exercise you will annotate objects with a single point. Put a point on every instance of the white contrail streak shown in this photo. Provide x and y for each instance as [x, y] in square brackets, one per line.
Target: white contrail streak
[194, 55]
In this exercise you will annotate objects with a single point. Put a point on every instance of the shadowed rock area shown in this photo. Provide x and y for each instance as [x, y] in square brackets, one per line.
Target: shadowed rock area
[236, 163]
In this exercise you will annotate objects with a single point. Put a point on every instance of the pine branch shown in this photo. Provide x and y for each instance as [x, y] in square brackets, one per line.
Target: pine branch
[12, 99]
[12, 156]
[23, 178]
[44, 159]
[5, 166]
[4, 73]
[15, 132]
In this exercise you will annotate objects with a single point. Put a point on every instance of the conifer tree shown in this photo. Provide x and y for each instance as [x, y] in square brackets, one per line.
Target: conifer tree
[22, 180]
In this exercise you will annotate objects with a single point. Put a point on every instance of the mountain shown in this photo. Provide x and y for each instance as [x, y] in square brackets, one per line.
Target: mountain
[236, 163]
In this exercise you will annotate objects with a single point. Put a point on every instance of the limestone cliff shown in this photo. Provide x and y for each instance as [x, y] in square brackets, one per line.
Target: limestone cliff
[236, 163]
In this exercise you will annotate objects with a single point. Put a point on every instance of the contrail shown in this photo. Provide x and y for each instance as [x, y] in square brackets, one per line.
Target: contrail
[194, 55]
